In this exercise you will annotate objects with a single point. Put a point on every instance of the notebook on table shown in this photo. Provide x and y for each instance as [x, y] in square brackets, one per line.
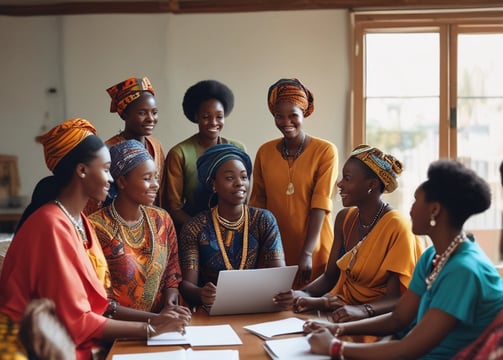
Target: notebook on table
[251, 290]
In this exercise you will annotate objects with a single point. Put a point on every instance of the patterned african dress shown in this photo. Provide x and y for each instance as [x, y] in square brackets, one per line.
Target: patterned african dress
[143, 259]
[199, 248]
[180, 178]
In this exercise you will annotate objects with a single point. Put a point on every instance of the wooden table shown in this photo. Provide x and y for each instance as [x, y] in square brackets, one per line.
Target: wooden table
[252, 347]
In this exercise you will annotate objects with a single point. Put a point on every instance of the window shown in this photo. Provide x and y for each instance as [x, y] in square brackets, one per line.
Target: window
[429, 86]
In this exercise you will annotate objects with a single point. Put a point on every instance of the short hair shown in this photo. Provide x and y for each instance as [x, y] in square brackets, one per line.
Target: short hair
[457, 188]
[206, 90]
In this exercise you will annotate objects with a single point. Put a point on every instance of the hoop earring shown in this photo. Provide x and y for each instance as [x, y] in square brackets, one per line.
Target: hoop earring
[369, 191]
[433, 222]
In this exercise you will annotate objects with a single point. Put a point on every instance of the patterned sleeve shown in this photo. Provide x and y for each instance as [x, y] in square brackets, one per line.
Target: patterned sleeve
[172, 274]
[189, 247]
[269, 237]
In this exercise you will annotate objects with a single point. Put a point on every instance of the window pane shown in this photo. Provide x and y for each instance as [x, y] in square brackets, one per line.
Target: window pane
[402, 64]
[407, 129]
[402, 104]
[480, 114]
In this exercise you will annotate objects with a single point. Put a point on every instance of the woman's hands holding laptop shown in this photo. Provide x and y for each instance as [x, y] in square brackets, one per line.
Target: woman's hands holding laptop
[208, 294]
[284, 299]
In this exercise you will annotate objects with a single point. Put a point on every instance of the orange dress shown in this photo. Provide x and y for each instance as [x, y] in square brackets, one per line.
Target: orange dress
[47, 259]
[313, 175]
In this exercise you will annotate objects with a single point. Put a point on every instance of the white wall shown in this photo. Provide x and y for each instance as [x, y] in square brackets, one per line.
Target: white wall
[247, 51]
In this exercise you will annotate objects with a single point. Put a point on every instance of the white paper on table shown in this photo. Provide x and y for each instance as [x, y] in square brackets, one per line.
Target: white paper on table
[182, 354]
[172, 355]
[210, 335]
[295, 348]
[266, 330]
[169, 338]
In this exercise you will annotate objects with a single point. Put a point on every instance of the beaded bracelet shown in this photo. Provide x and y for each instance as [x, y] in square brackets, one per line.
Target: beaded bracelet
[369, 309]
[335, 349]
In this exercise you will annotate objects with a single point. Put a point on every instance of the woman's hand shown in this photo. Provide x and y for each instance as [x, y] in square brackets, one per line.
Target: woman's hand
[208, 293]
[284, 299]
[320, 341]
[348, 313]
[306, 303]
[170, 321]
[181, 310]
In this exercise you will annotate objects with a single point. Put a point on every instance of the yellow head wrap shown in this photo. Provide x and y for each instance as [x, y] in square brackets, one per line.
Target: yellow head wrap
[385, 166]
[291, 90]
[60, 140]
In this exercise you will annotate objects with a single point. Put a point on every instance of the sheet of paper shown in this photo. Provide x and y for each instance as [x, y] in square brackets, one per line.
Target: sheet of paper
[295, 348]
[210, 335]
[212, 354]
[169, 338]
[267, 330]
[172, 355]
[182, 354]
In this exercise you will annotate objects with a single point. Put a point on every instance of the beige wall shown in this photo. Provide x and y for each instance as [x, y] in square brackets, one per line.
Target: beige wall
[83, 55]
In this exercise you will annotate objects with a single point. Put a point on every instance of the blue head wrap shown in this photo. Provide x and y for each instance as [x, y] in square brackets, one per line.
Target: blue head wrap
[209, 162]
[126, 156]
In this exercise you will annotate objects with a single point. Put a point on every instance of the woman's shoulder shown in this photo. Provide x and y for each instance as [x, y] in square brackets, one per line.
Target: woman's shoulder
[188, 143]
[237, 143]
[261, 212]
[268, 145]
[320, 143]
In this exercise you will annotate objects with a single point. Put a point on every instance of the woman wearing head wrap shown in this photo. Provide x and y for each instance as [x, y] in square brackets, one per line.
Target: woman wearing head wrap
[231, 235]
[294, 178]
[207, 104]
[138, 239]
[58, 248]
[134, 100]
[374, 251]
[455, 292]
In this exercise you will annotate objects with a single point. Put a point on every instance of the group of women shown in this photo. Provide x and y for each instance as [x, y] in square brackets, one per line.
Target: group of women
[134, 237]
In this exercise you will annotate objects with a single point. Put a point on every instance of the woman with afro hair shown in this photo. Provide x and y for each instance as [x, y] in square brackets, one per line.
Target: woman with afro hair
[206, 103]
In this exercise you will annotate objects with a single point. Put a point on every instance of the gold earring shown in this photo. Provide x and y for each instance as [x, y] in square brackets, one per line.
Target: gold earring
[433, 222]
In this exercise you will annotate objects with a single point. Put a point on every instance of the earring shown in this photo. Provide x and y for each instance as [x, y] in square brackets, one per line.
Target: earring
[82, 175]
[369, 191]
[433, 222]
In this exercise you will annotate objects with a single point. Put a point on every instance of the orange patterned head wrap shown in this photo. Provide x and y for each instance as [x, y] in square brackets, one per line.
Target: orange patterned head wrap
[127, 91]
[63, 138]
[385, 166]
[290, 90]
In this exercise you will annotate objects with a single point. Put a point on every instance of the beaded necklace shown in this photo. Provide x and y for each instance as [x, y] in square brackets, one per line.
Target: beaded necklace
[77, 223]
[373, 220]
[286, 154]
[133, 235]
[232, 225]
[216, 225]
[290, 189]
[439, 261]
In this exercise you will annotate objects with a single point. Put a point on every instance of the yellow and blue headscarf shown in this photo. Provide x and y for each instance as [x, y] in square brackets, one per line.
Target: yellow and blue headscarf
[385, 166]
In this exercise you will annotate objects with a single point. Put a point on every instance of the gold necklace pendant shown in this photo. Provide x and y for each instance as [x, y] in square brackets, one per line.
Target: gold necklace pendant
[290, 190]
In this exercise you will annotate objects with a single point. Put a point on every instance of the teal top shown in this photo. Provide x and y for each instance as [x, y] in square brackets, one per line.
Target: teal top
[468, 288]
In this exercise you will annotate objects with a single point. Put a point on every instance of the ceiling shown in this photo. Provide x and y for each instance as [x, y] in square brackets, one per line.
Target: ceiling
[64, 7]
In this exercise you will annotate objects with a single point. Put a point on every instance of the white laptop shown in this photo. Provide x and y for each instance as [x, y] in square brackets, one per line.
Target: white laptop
[251, 290]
